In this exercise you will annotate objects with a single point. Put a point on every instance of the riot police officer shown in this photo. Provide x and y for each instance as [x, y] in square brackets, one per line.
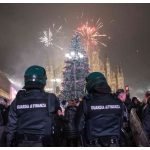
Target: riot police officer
[99, 115]
[30, 120]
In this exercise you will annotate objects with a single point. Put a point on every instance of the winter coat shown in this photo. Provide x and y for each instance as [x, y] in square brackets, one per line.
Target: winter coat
[146, 119]
[70, 129]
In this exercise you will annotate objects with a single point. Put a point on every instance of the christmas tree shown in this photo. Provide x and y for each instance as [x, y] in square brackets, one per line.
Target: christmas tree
[75, 70]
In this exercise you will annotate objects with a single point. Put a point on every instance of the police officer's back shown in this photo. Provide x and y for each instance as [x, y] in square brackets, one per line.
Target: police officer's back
[101, 113]
[31, 113]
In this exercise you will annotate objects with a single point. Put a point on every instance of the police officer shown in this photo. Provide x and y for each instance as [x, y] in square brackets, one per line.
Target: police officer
[99, 115]
[30, 120]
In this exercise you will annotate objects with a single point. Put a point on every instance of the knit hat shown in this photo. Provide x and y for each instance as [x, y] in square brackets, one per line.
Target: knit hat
[119, 91]
[147, 94]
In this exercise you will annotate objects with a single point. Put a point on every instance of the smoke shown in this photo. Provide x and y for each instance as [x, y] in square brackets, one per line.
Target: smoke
[139, 92]
[16, 67]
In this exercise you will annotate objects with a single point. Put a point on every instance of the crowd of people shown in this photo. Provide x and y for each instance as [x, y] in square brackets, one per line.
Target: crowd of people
[100, 118]
[4, 109]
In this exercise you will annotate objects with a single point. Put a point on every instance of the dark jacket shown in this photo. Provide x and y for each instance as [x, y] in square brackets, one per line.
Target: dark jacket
[70, 129]
[30, 113]
[146, 119]
[100, 115]
[1, 118]
[1, 115]
[128, 103]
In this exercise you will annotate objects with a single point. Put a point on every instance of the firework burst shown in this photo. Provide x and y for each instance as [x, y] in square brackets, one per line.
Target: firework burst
[50, 36]
[47, 38]
[91, 34]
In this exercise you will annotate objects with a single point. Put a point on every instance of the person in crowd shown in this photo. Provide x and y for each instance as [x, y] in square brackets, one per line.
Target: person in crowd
[99, 115]
[136, 104]
[143, 104]
[58, 128]
[31, 114]
[5, 110]
[3, 121]
[147, 95]
[126, 134]
[1, 126]
[69, 129]
[121, 95]
[146, 117]
[128, 101]
[1, 115]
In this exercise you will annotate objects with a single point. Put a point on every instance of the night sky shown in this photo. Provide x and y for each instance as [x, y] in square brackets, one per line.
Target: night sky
[127, 27]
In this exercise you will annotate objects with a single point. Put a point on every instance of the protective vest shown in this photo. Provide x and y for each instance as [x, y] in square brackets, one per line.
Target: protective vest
[103, 116]
[33, 112]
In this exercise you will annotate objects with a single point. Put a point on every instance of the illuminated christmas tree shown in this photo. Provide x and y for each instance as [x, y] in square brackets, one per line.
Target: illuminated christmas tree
[75, 70]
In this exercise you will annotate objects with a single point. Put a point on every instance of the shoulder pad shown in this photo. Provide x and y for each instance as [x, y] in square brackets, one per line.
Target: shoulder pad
[21, 93]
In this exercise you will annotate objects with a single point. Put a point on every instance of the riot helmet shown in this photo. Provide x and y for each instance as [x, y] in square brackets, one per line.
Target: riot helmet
[96, 81]
[35, 77]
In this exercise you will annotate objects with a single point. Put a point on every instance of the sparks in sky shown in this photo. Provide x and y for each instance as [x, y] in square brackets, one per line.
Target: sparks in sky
[48, 36]
[91, 34]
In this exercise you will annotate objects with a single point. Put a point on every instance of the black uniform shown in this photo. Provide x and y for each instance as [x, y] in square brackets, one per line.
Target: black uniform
[101, 117]
[30, 120]
[70, 130]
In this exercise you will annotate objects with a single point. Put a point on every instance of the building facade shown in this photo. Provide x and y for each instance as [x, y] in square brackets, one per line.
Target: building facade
[115, 78]
[54, 78]
[4, 86]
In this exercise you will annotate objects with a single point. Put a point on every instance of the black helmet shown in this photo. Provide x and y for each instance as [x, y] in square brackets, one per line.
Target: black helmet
[35, 75]
[96, 79]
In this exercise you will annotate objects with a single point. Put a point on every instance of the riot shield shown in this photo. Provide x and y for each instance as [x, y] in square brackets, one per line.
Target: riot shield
[139, 135]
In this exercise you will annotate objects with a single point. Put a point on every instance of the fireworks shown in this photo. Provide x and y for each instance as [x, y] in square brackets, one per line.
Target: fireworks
[91, 34]
[89, 31]
[47, 38]
[50, 36]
